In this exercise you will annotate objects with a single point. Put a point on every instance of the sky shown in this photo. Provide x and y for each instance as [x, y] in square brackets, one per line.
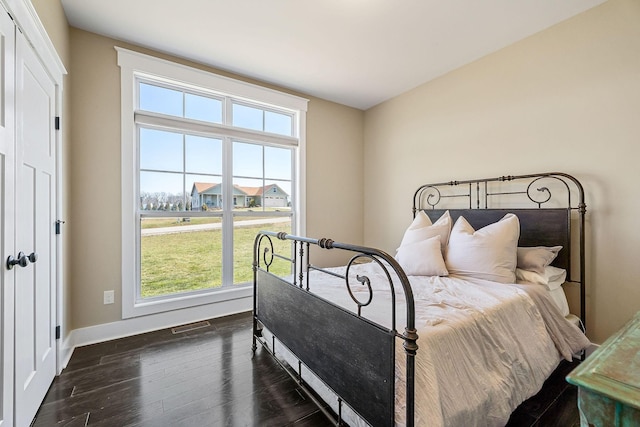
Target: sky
[171, 162]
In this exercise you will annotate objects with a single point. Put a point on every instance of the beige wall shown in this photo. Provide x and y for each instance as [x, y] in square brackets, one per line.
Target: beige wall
[335, 172]
[52, 16]
[566, 99]
[334, 137]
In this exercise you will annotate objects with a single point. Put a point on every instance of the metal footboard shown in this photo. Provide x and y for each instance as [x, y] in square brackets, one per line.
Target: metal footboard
[352, 355]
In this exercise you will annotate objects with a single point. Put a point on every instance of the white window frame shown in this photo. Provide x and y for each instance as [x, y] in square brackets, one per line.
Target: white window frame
[134, 65]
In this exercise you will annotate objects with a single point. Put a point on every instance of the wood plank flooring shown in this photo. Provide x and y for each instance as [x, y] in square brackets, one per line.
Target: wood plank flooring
[208, 377]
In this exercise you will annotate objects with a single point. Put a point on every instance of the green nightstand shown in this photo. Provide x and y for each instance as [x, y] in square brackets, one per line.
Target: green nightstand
[609, 381]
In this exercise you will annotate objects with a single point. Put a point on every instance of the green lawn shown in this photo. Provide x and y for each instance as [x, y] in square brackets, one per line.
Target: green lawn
[179, 262]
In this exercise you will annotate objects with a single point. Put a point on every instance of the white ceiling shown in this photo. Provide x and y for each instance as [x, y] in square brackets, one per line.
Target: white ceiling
[354, 52]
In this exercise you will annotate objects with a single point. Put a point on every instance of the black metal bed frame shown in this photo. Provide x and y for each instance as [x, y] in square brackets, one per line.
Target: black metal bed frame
[364, 345]
[361, 372]
[544, 228]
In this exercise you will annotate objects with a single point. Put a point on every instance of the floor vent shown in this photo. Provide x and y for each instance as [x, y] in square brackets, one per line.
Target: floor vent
[190, 327]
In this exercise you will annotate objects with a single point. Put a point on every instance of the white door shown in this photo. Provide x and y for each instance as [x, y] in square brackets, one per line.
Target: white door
[35, 193]
[7, 216]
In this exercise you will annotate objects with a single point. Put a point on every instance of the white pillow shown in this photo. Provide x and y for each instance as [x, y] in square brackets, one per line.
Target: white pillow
[552, 278]
[423, 258]
[489, 253]
[536, 258]
[422, 229]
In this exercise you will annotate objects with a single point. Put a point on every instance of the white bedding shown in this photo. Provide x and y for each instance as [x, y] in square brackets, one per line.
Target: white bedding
[484, 347]
[560, 299]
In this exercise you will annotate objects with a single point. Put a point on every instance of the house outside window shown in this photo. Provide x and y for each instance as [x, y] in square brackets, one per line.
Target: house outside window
[191, 142]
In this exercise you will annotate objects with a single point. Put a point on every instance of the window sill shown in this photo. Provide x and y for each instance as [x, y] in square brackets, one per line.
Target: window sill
[145, 308]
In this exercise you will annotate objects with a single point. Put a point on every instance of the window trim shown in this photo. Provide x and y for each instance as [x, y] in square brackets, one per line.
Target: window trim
[134, 67]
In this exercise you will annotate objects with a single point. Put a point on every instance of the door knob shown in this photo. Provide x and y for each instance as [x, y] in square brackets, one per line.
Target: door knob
[22, 260]
[33, 257]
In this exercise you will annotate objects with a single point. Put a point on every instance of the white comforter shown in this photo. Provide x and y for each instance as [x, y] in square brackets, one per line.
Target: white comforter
[484, 347]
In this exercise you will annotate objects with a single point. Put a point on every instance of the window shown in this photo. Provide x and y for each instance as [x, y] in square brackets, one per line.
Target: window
[207, 162]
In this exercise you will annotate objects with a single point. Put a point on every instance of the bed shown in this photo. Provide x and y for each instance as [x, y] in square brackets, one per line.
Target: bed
[459, 327]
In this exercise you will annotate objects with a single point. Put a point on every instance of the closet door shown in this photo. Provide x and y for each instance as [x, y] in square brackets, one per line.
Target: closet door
[7, 215]
[35, 193]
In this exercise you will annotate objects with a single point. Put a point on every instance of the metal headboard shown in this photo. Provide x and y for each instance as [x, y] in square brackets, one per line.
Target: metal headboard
[545, 203]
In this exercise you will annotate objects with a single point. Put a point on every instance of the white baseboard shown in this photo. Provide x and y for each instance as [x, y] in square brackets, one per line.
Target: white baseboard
[138, 325]
[65, 354]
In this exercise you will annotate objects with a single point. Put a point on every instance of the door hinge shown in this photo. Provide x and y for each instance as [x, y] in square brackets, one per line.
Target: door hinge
[57, 123]
[58, 222]
[58, 332]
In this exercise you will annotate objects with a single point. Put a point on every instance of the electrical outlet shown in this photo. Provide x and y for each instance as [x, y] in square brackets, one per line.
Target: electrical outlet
[108, 297]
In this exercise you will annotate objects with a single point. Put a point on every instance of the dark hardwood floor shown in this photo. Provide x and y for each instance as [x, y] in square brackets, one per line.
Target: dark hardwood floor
[208, 377]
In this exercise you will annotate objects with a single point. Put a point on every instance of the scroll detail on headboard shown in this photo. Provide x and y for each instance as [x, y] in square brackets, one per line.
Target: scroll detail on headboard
[541, 190]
